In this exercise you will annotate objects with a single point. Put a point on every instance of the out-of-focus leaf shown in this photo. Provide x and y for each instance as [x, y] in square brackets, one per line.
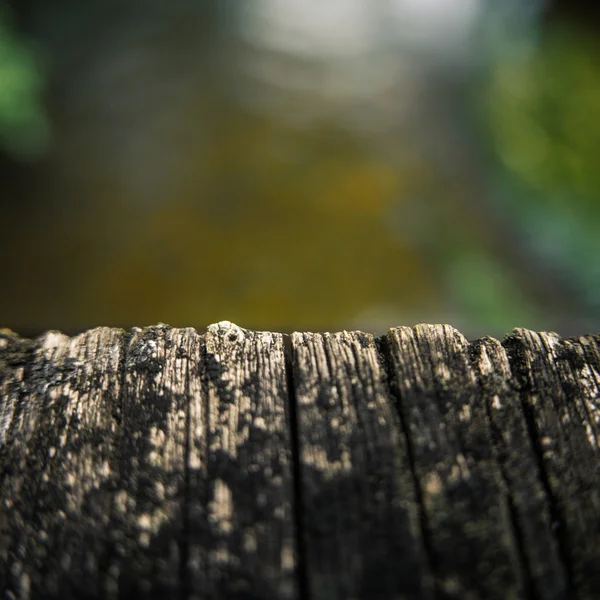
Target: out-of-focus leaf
[24, 130]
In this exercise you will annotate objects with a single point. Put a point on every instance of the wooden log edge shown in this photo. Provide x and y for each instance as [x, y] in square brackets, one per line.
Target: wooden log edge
[166, 462]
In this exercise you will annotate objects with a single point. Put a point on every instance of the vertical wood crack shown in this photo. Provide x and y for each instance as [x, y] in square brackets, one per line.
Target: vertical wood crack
[184, 546]
[299, 505]
[558, 522]
[516, 531]
[384, 354]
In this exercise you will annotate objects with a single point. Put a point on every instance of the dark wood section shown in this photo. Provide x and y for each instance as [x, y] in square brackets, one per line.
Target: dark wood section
[167, 463]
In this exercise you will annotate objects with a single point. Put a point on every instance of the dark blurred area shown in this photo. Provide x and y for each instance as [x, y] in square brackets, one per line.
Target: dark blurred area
[291, 164]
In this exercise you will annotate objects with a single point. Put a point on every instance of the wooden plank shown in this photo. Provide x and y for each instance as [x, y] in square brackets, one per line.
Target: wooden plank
[467, 518]
[59, 468]
[360, 518]
[241, 527]
[149, 464]
[147, 528]
[544, 571]
[559, 384]
[160, 462]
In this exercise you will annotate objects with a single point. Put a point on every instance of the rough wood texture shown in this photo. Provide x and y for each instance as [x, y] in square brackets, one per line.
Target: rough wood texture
[162, 462]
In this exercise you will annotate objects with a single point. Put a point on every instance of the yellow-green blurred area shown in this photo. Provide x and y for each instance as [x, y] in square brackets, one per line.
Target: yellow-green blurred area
[293, 164]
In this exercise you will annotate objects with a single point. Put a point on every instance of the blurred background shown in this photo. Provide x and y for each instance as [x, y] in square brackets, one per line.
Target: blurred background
[300, 165]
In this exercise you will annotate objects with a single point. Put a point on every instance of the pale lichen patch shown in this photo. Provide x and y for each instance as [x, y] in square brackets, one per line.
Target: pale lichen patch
[288, 557]
[316, 456]
[432, 484]
[464, 415]
[221, 507]
[250, 542]
[443, 372]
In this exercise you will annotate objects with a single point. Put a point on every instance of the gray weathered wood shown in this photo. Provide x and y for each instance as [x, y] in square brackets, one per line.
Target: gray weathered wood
[531, 527]
[164, 462]
[154, 463]
[559, 386]
[361, 520]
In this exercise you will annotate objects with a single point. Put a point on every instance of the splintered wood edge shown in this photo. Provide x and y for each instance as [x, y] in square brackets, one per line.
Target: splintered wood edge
[6, 332]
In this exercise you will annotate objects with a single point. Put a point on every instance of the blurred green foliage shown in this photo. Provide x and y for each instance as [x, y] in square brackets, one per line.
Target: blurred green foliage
[543, 112]
[24, 130]
[169, 193]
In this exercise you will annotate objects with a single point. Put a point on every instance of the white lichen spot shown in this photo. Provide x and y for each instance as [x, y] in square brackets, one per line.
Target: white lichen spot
[591, 436]
[145, 521]
[160, 491]
[496, 402]
[122, 501]
[432, 484]
[51, 451]
[346, 460]
[287, 557]
[221, 508]
[442, 371]
[25, 586]
[464, 414]
[462, 465]
[552, 339]
[53, 339]
[226, 327]
[194, 460]
[455, 474]
[484, 363]
[157, 437]
[250, 543]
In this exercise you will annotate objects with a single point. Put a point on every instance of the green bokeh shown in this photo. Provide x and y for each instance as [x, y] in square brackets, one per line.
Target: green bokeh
[543, 112]
[24, 129]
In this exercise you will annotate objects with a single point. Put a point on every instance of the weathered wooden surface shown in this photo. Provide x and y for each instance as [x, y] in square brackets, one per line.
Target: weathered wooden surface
[163, 462]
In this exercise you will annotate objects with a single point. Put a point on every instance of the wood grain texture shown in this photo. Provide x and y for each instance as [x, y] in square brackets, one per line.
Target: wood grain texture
[163, 462]
[362, 530]
[532, 528]
[559, 383]
[459, 481]
[244, 472]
